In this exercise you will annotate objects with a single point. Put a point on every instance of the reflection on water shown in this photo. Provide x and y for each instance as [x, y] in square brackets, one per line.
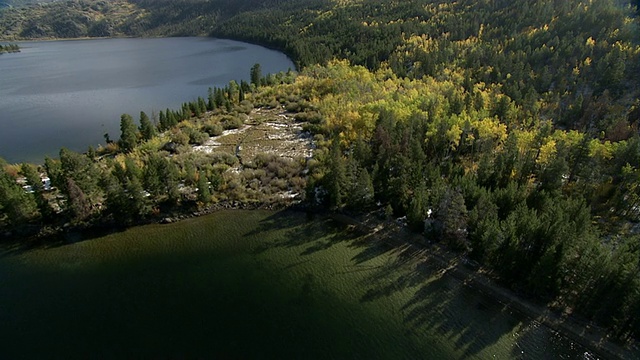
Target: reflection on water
[69, 93]
[252, 284]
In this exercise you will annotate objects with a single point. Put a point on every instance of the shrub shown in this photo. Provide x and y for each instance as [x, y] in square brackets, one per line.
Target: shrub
[213, 129]
[231, 122]
[223, 157]
[244, 107]
[179, 137]
[197, 137]
[312, 117]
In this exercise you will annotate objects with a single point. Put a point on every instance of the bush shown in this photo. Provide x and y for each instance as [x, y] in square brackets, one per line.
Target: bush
[312, 117]
[223, 157]
[231, 122]
[244, 107]
[197, 137]
[179, 137]
[292, 107]
[213, 129]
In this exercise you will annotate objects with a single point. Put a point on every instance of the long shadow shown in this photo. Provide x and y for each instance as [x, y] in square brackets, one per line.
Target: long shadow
[442, 306]
[317, 232]
[440, 303]
[17, 246]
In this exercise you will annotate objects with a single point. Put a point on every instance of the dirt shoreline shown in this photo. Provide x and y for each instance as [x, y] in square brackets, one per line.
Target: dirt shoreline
[592, 337]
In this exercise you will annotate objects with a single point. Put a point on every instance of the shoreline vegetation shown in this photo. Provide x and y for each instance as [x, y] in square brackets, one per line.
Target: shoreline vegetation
[373, 223]
[519, 152]
[9, 48]
[390, 232]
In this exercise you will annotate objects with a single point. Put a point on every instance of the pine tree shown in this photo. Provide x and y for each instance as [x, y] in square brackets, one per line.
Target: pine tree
[211, 103]
[128, 133]
[18, 205]
[202, 105]
[204, 194]
[164, 125]
[78, 202]
[336, 178]
[33, 179]
[147, 130]
[256, 74]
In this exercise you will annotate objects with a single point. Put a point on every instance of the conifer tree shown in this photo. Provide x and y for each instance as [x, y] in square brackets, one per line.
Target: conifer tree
[256, 74]
[78, 202]
[15, 203]
[30, 172]
[204, 194]
[147, 129]
[128, 133]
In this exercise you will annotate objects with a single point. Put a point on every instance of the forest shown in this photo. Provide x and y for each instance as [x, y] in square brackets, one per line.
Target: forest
[507, 130]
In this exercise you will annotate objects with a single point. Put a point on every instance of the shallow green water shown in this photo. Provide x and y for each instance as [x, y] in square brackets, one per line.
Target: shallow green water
[250, 285]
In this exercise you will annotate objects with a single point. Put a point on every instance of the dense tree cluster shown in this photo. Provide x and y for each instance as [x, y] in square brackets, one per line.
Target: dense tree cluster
[9, 48]
[151, 168]
[550, 212]
[507, 130]
[99, 18]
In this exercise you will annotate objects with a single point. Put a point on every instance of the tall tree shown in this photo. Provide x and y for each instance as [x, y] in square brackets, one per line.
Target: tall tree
[128, 133]
[15, 203]
[30, 172]
[256, 74]
[147, 129]
[78, 202]
[336, 179]
[204, 193]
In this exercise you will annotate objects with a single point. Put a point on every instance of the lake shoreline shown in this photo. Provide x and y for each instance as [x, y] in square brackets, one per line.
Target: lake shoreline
[590, 336]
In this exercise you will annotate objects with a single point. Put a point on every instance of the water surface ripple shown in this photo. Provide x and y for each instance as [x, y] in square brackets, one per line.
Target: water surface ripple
[252, 285]
[70, 93]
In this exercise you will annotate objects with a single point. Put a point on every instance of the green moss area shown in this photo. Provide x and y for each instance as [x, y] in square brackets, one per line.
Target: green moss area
[251, 284]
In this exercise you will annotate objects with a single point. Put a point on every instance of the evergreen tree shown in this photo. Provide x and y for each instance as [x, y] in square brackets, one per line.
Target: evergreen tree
[54, 170]
[336, 178]
[164, 124]
[202, 105]
[147, 129]
[152, 179]
[204, 193]
[15, 203]
[30, 172]
[452, 214]
[78, 202]
[128, 133]
[211, 103]
[218, 98]
[256, 75]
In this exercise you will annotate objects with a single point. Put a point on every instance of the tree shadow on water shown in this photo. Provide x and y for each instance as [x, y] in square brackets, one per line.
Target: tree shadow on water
[17, 246]
[447, 307]
[315, 233]
[437, 302]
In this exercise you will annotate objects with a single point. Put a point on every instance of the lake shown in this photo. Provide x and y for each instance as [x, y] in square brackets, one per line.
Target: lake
[252, 285]
[57, 94]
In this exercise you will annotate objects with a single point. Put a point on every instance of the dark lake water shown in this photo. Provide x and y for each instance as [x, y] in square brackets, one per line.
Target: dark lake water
[252, 285]
[69, 93]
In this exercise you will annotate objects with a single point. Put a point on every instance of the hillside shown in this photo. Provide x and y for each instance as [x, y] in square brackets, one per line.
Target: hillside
[507, 130]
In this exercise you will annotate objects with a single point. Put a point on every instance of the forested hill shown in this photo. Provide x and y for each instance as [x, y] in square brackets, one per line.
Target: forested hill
[579, 57]
[506, 129]
[99, 18]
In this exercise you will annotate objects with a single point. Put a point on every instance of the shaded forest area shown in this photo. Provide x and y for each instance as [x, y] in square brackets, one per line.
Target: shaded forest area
[507, 130]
